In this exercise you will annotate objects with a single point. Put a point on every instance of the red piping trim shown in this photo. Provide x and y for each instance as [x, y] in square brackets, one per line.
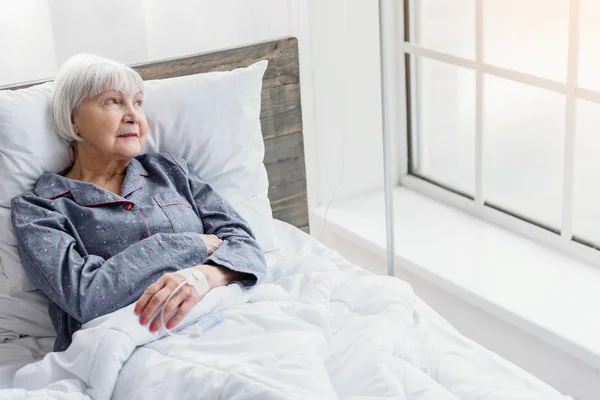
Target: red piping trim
[132, 190]
[107, 202]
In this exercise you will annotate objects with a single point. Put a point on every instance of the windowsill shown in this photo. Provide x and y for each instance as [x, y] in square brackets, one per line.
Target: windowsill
[543, 292]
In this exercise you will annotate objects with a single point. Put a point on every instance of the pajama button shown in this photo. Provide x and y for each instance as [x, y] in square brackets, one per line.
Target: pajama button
[127, 206]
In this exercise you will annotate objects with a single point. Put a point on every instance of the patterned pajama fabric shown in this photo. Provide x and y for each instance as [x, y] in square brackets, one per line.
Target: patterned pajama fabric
[93, 252]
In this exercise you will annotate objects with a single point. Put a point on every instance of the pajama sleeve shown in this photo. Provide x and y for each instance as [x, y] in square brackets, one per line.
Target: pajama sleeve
[240, 251]
[85, 285]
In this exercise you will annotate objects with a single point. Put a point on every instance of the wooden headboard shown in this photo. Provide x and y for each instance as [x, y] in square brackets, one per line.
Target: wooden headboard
[281, 114]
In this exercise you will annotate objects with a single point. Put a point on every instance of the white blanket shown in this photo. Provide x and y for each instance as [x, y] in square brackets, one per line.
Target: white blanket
[320, 332]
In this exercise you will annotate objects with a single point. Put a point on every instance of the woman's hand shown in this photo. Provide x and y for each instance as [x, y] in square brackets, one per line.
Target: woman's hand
[186, 298]
[157, 293]
[212, 243]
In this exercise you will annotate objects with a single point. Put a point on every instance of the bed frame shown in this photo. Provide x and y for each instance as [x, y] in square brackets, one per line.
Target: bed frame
[281, 114]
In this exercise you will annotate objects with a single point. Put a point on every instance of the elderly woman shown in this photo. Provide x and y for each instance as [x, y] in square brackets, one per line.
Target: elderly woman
[118, 227]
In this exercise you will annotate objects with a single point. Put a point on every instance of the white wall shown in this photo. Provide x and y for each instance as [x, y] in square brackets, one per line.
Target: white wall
[344, 49]
[37, 36]
[26, 42]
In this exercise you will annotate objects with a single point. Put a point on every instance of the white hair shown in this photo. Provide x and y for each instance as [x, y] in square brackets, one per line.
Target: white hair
[87, 75]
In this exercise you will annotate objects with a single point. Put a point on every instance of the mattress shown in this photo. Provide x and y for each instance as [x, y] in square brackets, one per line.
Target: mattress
[381, 349]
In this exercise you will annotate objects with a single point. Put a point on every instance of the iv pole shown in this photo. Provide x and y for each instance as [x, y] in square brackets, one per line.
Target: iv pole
[386, 8]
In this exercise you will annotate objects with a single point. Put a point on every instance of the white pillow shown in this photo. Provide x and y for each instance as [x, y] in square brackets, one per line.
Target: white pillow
[28, 149]
[211, 120]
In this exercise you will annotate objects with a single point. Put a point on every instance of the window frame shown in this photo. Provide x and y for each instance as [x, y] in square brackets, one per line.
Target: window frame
[399, 60]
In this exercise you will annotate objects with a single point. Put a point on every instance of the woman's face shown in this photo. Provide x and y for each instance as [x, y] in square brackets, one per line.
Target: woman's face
[112, 124]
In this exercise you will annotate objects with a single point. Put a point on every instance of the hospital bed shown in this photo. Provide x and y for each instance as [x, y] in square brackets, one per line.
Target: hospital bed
[320, 328]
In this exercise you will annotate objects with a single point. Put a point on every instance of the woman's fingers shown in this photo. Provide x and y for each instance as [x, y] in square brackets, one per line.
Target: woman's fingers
[170, 307]
[155, 302]
[149, 293]
[169, 282]
[187, 294]
[212, 243]
[185, 308]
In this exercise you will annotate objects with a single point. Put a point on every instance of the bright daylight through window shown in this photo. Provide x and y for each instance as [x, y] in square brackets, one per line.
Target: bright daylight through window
[504, 107]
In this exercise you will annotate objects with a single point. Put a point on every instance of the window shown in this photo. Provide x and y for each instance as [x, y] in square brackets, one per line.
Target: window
[503, 106]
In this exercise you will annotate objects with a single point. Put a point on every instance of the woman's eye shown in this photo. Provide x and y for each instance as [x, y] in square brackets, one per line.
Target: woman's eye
[139, 102]
[111, 101]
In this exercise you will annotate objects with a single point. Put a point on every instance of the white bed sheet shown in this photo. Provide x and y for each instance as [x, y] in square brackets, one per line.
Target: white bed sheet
[433, 349]
[17, 353]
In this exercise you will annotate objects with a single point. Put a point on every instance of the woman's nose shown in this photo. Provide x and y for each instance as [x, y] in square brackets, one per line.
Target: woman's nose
[130, 115]
[130, 118]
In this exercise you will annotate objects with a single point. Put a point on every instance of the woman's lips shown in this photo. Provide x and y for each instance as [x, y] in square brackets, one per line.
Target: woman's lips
[128, 136]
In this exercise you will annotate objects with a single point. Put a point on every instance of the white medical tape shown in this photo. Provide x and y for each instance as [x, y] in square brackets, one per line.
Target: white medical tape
[196, 279]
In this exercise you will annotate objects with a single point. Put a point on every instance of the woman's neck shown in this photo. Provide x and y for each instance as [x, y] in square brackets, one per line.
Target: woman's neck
[102, 171]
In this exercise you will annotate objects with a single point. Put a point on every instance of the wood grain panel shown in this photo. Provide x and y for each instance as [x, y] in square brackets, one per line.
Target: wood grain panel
[282, 56]
[281, 113]
[283, 148]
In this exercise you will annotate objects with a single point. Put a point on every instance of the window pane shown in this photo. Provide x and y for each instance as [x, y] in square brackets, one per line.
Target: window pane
[529, 36]
[586, 192]
[523, 150]
[589, 56]
[447, 26]
[443, 129]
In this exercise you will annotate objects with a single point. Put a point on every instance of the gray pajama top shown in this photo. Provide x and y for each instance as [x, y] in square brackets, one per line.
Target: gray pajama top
[93, 252]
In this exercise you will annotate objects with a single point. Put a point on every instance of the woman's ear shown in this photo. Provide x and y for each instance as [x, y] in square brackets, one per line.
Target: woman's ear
[74, 124]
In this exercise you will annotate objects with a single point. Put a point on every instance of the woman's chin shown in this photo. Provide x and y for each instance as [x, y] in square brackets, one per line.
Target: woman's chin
[129, 150]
